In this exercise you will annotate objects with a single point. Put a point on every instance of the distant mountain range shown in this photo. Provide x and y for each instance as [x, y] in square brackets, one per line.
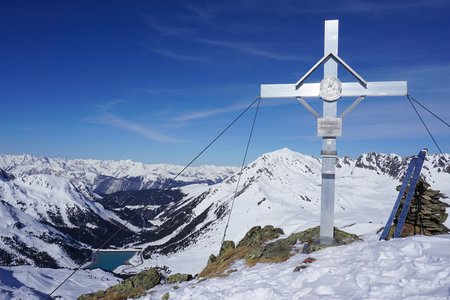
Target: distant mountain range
[55, 210]
[109, 176]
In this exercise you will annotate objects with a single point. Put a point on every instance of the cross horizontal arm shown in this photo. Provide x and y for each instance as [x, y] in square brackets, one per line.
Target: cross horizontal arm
[349, 89]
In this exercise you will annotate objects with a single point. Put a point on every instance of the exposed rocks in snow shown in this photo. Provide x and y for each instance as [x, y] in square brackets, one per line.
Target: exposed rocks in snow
[390, 164]
[426, 213]
[178, 277]
[257, 236]
[132, 287]
[5, 176]
[226, 246]
[310, 237]
[255, 248]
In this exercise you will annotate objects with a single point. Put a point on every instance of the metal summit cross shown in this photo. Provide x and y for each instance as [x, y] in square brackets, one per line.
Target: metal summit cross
[329, 126]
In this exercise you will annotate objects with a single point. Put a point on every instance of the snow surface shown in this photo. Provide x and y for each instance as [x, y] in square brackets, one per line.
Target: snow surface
[411, 268]
[29, 283]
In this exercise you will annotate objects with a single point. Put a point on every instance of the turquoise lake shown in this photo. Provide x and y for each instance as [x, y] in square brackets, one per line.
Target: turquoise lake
[109, 260]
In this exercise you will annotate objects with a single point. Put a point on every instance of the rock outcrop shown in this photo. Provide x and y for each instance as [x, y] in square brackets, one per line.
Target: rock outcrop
[5, 176]
[426, 214]
[134, 286]
[256, 247]
[178, 277]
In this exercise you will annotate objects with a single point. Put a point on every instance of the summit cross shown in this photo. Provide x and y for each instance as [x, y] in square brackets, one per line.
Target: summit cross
[329, 125]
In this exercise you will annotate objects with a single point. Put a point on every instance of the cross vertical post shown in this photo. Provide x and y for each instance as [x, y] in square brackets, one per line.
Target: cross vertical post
[329, 152]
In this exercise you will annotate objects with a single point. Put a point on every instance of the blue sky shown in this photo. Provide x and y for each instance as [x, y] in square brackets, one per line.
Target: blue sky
[155, 81]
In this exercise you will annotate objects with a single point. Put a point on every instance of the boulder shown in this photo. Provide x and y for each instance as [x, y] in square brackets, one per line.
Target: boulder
[226, 246]
[178, 277]
[257, 236]
[166, 296]
[211, 259]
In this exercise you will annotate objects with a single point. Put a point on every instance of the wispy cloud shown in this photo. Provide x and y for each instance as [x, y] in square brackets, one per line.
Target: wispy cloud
[167, 30]
[106, 117]
[249, 49]
[205, 12]
[208, 113]
[180, 56]
[202, 114]
[173, 30]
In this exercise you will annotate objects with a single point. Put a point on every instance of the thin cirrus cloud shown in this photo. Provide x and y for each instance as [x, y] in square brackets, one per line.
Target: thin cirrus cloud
[179, 56]
[174, 31]
[203, 114]
[105, 117]
[249, 49]
[166, 30]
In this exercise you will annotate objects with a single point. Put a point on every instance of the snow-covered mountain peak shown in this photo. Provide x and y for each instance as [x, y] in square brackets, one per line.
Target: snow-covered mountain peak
[285, 161]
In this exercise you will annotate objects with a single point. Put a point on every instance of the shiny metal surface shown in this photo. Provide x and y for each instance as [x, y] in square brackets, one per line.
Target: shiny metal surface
[308, 107]
[349, 89]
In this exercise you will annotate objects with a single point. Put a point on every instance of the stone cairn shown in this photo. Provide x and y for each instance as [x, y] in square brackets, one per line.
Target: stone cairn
[426, 214]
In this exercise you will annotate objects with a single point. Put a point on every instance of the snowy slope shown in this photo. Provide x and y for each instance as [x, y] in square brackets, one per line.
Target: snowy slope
[51, 199]
[24, 240]
[44, 219]
[281, 188]
[109, 176]
[29, 283]
[412, 268]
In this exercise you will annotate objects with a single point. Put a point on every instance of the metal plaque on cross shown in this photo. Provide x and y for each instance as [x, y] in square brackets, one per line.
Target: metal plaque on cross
[329, 124]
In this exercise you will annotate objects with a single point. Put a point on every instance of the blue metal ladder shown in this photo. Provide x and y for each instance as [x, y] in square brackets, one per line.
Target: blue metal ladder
[414, 168]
